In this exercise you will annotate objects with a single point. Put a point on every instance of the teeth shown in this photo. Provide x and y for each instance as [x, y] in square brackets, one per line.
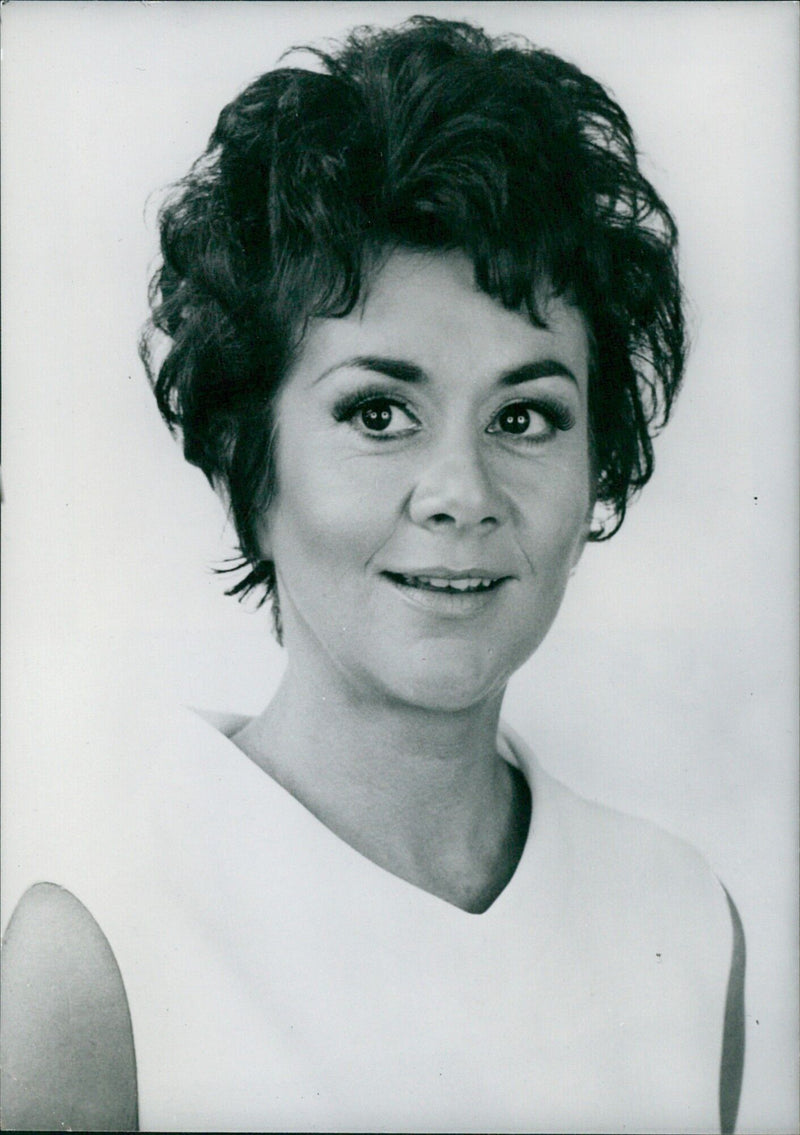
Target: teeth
[442, 583]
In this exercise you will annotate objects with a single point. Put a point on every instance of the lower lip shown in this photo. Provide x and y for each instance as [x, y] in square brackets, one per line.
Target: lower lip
[453, 604]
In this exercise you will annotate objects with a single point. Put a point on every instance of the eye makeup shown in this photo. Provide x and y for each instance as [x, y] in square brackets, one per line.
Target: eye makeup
[512, 418]
[511, 421]
[376, 410]
[345, 407]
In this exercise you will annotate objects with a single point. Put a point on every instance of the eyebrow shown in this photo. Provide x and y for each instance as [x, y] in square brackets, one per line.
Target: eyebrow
[529, 372]
[405, 371]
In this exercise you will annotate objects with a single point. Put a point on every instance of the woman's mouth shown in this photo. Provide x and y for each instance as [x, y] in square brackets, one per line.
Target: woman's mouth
[454, 594]
[456, 584]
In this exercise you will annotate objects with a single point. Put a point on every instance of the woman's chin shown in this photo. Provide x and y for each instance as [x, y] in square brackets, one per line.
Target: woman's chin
[448, 685]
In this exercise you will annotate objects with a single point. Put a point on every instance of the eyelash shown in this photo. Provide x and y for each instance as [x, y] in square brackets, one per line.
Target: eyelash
[350, 405]
[559, 417]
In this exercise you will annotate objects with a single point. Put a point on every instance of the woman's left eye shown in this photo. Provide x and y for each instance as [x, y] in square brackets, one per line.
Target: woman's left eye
[379, 418]
[530, 422]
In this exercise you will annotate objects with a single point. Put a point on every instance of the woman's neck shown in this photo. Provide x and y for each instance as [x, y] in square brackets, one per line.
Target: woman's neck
[422, 793]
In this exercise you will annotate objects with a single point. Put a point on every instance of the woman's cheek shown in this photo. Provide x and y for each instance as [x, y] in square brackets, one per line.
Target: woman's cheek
[334, 509]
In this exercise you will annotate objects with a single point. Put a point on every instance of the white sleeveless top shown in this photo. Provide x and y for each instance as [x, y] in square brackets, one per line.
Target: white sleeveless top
[278, 980]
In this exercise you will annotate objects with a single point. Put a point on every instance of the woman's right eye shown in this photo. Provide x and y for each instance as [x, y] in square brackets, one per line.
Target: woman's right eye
[382, 418]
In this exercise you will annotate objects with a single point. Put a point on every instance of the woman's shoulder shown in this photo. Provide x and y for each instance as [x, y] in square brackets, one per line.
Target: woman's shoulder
[627, 866]
[67, 1041]
[138, 780]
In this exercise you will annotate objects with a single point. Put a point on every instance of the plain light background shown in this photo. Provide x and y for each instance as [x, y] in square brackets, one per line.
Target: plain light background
[668, 685]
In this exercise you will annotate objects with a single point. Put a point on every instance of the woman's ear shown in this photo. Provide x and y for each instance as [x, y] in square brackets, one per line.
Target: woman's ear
[264, 539]
[577, 552]
[582, 539]
[262, 533]
[222, 492]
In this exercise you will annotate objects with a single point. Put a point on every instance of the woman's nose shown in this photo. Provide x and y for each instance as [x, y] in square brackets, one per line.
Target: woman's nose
[454, 488]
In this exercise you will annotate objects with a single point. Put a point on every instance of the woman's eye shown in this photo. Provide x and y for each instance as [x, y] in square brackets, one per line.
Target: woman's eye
[381, 416]
[523, 420]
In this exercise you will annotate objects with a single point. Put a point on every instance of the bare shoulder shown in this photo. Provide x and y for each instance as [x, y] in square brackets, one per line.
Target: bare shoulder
[67, 1045]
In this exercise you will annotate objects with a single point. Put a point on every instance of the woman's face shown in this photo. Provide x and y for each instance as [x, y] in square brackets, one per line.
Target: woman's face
[433, 486]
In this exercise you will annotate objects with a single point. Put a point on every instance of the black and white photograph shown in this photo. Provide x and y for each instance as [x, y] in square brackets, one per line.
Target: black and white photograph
[400, 566]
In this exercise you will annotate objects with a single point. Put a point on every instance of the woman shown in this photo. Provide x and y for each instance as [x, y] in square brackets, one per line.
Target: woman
[423, 319]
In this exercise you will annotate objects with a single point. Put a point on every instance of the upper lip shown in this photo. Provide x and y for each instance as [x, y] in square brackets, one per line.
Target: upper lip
[448, 573]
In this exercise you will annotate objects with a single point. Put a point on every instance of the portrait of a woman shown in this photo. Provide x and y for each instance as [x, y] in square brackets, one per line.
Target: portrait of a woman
[417, 316]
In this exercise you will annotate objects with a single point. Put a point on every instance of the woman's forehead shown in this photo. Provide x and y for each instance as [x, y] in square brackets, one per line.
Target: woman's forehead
[426, 306]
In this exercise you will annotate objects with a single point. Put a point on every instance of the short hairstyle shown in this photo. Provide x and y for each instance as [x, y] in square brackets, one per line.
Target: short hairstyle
[429, 136]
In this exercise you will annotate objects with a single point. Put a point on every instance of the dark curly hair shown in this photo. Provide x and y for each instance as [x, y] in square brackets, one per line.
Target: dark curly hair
[426, 136]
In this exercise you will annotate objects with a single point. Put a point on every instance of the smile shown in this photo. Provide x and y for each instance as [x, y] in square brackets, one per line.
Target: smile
[453, 584]
[448, 594]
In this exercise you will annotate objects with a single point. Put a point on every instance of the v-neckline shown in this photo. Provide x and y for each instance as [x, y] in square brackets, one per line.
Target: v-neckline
[510, 748]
